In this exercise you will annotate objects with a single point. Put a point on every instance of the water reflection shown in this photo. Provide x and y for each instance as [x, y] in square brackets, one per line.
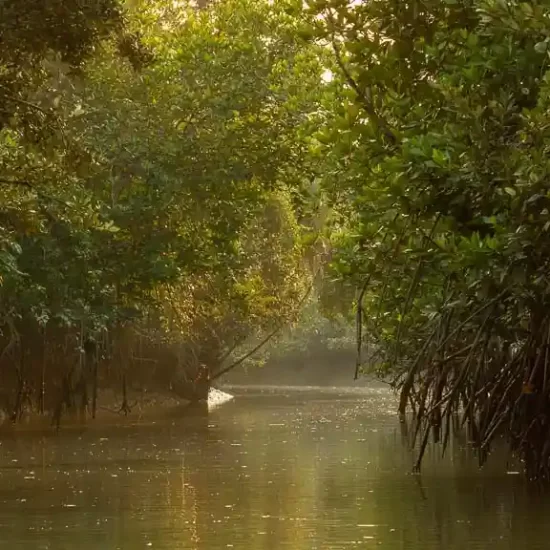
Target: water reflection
[266, 471]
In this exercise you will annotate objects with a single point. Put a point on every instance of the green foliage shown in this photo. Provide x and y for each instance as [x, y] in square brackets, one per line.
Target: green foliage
[153, 169]
[202, 153]
[441, 145]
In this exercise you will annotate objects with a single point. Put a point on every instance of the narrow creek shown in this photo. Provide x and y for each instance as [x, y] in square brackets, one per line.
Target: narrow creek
[301, 469]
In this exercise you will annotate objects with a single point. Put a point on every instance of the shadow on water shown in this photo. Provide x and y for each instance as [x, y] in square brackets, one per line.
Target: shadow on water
[288, 468]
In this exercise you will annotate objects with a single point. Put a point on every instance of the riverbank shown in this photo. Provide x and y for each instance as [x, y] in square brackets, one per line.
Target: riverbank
[143, 406]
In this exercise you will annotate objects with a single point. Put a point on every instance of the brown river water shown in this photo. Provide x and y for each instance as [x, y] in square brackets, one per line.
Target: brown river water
[300, 469]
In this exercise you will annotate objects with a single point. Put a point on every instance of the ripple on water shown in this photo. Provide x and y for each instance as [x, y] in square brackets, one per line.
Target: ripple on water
[298, 470]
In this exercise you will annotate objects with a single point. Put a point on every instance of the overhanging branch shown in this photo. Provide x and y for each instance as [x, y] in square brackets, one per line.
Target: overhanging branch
[265, 340]
[364, 97]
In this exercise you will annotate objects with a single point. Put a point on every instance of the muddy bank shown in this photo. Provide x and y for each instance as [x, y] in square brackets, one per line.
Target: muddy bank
[143, 406]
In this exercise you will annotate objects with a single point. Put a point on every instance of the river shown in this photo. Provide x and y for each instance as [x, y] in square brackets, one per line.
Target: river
[272, 469]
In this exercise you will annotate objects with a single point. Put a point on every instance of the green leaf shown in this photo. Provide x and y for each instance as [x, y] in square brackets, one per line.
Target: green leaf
[541, 47]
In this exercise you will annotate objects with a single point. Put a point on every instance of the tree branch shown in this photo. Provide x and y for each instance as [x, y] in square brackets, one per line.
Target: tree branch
[364, 97]
[19, 183]
[265, 340]
[30, 187]
[35, 107]
[24, 102]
